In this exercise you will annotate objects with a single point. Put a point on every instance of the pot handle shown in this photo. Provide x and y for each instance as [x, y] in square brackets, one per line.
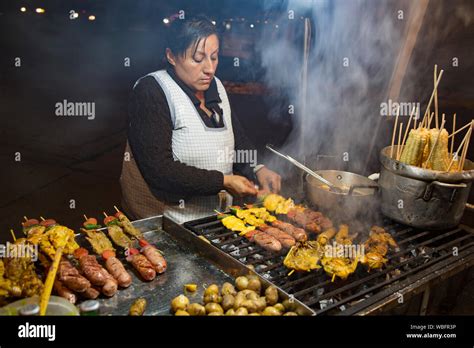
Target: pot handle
[470, 206]
[443, 184]
[351, 190]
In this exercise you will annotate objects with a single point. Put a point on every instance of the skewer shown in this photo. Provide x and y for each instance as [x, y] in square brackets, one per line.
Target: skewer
[457, 152]
[105, 214]
[454, 129]
[399, 141]
[436, 142]
[42, 218]
[429, 119]
[463, 159]
[436, 96]
[13, 235]
[26, 219]
[85, 217]
[394, 131]
[115, 207]
[462, 128]
[408, 126]
[432, 95]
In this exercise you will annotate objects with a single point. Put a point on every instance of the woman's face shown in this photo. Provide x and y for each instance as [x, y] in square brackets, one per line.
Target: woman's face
[197, 69]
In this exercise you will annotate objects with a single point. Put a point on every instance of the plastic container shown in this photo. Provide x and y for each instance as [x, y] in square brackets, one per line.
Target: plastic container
[57, 306]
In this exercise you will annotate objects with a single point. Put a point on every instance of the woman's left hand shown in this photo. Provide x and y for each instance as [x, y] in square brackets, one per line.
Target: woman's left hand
[269, 180]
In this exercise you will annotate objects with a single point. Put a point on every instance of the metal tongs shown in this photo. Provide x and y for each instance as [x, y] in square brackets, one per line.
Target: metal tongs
[290, 159]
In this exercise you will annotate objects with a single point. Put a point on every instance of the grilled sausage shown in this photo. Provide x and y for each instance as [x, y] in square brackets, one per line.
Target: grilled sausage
[264, 240]
[93, 270]
[71, 278]
[64, 292]
[155, 258]
[297, 233]
[143, 266]
[118, 271]
[285, 239]
[110, 287]
[91, 293]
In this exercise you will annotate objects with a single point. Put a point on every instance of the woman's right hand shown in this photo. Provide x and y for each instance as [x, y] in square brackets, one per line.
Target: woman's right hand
[239, 186]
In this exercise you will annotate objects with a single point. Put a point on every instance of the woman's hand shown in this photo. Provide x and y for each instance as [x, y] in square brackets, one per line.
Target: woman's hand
[239, 186]
[269, 180]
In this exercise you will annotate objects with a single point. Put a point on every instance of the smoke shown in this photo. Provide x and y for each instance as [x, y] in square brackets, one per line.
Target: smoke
[353, 50]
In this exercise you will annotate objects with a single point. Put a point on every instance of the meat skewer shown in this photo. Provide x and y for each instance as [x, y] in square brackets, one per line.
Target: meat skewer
[103, 247]
[127, 226]
[264, 240]
[116, 233]
[297, 233]
[285, 239]
[141, 264]
[154, 256]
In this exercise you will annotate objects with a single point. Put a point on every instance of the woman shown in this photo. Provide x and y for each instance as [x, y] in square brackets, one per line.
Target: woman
[180, 128]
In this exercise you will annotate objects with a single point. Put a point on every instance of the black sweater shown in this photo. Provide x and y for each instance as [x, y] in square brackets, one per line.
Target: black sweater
[149, 135]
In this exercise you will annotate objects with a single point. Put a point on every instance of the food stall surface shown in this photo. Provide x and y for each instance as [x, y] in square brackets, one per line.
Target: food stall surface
[184, 266]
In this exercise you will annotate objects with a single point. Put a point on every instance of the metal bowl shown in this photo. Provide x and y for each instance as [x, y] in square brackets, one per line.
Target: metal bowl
[358, 198]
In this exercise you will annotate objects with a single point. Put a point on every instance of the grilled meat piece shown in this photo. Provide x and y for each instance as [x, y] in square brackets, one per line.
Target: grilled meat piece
[298, 233]
[284, 238]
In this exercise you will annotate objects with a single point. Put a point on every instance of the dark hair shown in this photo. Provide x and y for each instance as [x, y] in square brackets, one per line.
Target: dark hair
[185, 33]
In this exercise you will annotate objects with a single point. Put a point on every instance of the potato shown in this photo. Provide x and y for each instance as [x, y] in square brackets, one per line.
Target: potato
[214, 307]
[255, 285]
[290, 314]
[241, 311]
[180, 312]
[228, 302]
[261, 303]
[271, 294]
[215, 314]
[252, 295]
[289, 305]
[230, 312]
[250, 305]
[241, 283]
[252, 267]
[211, 289]
[254, 314]
[179, 302]
[280, 307]
[271, 311]
[190, 287]
[228, 289]
[212, 298]
[239, 299]
[196, 309]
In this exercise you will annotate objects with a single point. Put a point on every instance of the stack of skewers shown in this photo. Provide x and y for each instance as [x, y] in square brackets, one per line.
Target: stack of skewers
[427, 147]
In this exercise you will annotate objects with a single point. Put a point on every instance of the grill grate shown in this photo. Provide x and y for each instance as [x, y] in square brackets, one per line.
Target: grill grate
[418, 251]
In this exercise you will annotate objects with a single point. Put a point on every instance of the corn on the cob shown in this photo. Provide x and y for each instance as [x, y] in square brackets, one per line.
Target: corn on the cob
[413, 150]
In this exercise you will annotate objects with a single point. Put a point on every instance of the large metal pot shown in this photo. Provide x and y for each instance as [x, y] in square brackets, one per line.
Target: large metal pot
[359, 198]
[423, 198]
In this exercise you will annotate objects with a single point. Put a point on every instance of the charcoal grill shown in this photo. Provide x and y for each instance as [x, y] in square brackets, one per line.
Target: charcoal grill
[423, 258]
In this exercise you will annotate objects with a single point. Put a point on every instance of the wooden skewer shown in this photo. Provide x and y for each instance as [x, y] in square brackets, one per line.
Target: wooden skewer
[436, 142]
[394, 132]
[466, 146]
[48, 284]
[42, 218]
[105, 214]
[408, 126]
[85, 217]
[436, 96]
[462, 128]
[432, 95]
[115, 207]
[13, 235]
[429, 119]
[399, 142]
[26, 219]
[457, 152]
[454, 129]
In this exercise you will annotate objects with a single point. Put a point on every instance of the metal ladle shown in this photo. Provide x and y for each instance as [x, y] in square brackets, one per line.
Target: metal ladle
[290, 159]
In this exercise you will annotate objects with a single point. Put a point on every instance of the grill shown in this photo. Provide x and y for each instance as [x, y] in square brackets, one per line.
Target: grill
[421, 254]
